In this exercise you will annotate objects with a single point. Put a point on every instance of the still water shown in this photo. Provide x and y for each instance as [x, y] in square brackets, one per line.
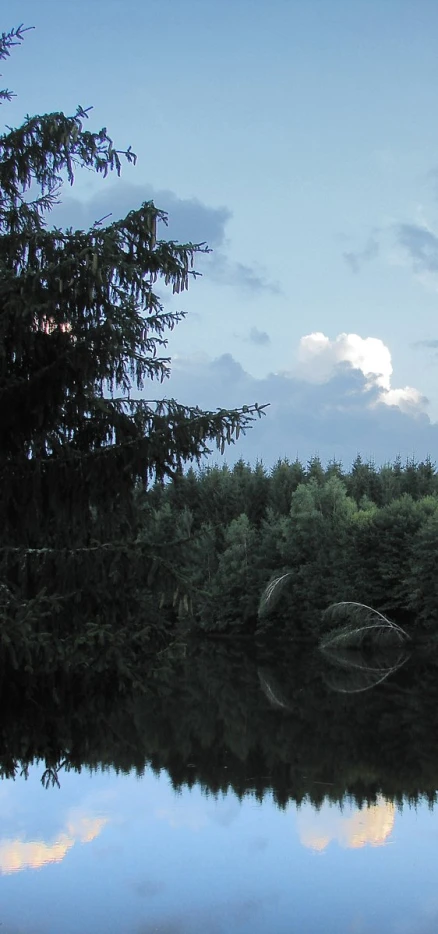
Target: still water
[234, 797]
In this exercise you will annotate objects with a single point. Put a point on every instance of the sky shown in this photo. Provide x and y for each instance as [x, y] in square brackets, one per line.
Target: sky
[299, 139]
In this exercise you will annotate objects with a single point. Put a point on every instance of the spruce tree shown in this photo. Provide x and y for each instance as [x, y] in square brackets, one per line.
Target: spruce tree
[82, 337]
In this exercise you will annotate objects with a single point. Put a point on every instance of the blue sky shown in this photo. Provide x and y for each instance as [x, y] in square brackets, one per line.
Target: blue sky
[300, 139]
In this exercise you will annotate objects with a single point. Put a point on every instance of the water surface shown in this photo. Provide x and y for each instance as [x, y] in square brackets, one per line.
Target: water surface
[239, 795]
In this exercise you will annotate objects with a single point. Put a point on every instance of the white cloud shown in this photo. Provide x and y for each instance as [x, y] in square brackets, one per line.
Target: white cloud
[337, 401]
[319, 358]
[408, 400]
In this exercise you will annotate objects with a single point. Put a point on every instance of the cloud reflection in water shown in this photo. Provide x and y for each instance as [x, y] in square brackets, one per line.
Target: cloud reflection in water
[353, 828]
[17, 854]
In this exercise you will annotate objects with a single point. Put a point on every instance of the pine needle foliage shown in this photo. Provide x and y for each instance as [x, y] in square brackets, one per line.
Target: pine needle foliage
[83, 334]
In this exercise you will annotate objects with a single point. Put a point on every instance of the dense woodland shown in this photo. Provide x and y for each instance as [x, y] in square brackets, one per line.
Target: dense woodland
[366, 534]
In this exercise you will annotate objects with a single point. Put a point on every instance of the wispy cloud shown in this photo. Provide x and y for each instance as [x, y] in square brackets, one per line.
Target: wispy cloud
[261, 338]
[356, 259]
[189, 220]
[428, 344]
[250, 278]
[420, 244]
[255, 336]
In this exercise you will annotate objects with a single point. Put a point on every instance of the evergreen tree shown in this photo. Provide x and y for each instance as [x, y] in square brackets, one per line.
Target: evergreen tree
[284, 480]
[315, 470]
[237, 586]
[364, 480]
[316, 548]
[82, 335]
[382, 554]
[422, 579]
[419, 479]
[334, 469]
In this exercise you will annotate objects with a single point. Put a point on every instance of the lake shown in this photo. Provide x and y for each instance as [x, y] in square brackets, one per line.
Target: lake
[275, 791]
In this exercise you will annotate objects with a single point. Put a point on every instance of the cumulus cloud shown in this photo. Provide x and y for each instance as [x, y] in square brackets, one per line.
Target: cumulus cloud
[319, 358]
[189, 220]
[336, 402]
[355, 260]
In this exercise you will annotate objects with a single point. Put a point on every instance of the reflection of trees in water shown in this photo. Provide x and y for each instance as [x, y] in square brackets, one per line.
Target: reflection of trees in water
[229, 721]
[352, 672]
[271, 690]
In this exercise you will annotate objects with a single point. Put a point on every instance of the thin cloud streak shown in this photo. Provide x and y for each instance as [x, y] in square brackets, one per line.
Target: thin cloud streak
[355, 260]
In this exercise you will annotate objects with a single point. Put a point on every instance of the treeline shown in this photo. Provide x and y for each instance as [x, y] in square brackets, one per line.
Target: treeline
[213, 718]
[368, 535]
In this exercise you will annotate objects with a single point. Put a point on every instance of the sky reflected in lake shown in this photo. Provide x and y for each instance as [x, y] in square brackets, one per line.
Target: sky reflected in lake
[118, 853]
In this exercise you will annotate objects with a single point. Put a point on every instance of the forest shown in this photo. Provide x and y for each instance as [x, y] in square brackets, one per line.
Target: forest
[367, 534]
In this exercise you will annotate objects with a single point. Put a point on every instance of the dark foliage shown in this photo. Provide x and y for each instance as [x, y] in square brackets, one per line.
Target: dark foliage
[366, 535]
[279, 722]
[82, 337]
